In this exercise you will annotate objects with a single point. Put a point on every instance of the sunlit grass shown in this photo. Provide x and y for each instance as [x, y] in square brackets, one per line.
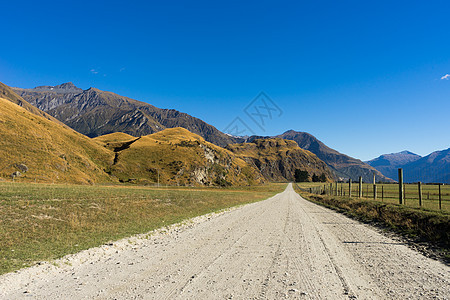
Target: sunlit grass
[389, 193]
[44, 221]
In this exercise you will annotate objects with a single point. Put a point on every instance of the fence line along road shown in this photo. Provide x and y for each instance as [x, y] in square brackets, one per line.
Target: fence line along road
[434, 196]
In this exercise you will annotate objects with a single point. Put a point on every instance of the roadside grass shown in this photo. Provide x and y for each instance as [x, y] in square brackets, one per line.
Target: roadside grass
[388, 193]
[422, 225]
[44, 221]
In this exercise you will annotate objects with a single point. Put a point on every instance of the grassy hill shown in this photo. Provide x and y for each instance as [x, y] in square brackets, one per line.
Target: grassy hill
[50, 151]
[277, 159]
[177, 157]
[7, 93]
[93, 112]
[45, 150]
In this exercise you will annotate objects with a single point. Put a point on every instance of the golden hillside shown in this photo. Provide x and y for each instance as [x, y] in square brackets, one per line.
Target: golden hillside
[51, 152]
[277, 159]
[177, 157]
[113, 138]
[7, 93]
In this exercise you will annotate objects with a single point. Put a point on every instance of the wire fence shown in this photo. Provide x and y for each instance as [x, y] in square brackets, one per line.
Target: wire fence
[418, 195]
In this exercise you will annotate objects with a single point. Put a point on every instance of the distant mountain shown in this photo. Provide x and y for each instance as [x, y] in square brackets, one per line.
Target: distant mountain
[343, 165]
[388, 164]
[93, 112]
[277, 159]
[434, 167]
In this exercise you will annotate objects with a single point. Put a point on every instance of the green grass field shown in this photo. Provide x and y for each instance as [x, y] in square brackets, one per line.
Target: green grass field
[389, 193]
[44, 222]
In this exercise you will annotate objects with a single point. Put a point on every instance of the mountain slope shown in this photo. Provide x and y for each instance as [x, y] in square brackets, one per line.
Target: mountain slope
[277, 159]
[178, 157]
[388, 164]
[434, 167]
[343, 165]
[94, 113]
[7, 93]
[47, 151]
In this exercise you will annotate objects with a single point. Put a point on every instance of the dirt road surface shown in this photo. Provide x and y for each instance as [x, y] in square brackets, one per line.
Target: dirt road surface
[283, 247]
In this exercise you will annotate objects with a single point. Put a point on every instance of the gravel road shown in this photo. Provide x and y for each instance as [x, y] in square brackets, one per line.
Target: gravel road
[283, 247]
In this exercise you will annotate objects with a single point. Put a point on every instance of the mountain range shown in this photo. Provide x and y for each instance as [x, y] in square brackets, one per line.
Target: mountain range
[433, 168]
[388, 164]
[93, 113]
[34, 146]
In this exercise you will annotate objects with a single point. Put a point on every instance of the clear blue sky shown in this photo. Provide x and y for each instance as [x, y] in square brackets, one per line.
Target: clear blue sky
[363, 77]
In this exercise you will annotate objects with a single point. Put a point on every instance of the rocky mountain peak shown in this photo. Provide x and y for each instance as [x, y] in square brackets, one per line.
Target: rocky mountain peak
[67, 87]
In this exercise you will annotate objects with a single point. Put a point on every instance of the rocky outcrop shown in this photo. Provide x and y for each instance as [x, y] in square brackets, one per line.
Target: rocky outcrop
[277, 159]
[343, 166]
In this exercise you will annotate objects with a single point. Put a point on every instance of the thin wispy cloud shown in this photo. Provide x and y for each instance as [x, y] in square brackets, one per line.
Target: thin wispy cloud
[94, 71]
[445, 77]
[122, 69]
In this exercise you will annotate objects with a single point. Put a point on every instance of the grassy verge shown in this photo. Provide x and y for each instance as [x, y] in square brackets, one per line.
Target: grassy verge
[44, 222]
[420, 224]
[388, 193]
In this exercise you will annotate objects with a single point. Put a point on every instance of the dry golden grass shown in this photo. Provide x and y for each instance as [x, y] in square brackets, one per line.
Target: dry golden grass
[43, 222]
[178, 157]
[270, 152]
[52, 152]
[114, 138]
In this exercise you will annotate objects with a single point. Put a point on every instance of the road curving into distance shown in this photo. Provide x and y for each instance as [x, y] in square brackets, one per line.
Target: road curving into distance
[282, 247]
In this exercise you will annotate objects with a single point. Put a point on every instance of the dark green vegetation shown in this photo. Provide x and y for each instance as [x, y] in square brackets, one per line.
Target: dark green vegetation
[301, 176]
[421, 224]
[43, 222]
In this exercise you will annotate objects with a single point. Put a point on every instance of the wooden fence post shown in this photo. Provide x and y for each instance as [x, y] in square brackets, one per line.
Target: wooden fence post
[350, 188]
[342, 189]
[360, 186]
[400, 186]
[374, 192]
[419, 184]
[382, 192]
[440, 199]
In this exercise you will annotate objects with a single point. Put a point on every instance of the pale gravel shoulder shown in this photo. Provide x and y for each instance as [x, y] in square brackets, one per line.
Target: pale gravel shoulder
[103, 252]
